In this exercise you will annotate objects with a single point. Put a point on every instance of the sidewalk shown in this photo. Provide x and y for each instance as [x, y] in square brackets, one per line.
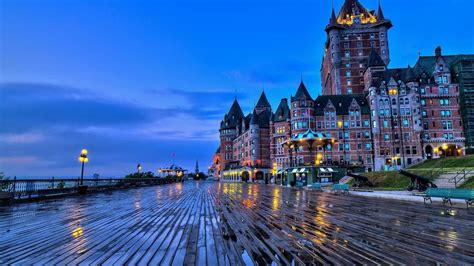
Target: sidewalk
[404, 195]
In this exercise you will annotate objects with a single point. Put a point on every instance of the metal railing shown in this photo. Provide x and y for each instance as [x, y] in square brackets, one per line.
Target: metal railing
[31, 188]
[464, 174]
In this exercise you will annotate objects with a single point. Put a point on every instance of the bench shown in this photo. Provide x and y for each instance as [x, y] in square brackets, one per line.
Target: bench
[318, 186]
[344, 188]
[449, 193]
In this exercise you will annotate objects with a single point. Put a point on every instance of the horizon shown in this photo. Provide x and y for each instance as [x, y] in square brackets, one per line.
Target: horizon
[137, 83]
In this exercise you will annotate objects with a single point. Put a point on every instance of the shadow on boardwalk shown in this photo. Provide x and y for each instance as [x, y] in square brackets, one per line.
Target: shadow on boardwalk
[231, 224]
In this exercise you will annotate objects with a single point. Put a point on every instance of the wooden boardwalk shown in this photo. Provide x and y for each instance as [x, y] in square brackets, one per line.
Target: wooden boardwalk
[232, 224]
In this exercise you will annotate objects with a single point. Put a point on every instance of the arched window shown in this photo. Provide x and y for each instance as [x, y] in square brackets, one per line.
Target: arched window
[394, 102]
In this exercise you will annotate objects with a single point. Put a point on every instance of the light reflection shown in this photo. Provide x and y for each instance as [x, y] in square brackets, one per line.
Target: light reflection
[276, 199]
[247, 203]
[77, 232]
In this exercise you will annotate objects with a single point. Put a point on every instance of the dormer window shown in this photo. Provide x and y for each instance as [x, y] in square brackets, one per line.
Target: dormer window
[441, 67]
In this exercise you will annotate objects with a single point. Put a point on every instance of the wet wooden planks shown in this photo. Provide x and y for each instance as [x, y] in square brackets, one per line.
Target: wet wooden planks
[232, 224]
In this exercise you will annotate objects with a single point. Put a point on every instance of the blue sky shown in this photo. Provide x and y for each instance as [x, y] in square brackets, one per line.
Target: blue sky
[135, 81]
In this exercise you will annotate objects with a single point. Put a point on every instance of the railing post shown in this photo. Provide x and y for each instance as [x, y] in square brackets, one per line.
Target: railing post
[14, 185]
[52, 185]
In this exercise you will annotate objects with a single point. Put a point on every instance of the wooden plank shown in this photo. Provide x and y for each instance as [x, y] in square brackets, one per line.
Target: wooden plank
[232, 224]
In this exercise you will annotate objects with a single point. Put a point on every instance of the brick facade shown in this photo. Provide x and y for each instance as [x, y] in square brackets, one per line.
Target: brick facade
[390, 118]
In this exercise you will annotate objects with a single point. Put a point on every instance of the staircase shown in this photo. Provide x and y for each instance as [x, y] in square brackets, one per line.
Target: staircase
[443, 181]
[453, 179]
[345, 179]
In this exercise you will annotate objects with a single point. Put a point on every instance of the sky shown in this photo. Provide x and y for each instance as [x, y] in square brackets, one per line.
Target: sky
[136, 81]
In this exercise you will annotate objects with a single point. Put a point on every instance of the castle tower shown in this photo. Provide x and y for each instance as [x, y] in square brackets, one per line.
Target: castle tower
[228, 132]
[350, 37]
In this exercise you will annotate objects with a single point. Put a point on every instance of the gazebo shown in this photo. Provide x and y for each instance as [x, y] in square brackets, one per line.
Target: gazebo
[310, 139]
[300, 172]
[173, 170]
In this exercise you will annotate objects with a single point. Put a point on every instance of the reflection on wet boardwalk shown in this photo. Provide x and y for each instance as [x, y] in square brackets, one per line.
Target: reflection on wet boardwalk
[227, 224]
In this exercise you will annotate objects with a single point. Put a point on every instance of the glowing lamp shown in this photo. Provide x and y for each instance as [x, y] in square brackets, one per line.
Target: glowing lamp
[84, 152]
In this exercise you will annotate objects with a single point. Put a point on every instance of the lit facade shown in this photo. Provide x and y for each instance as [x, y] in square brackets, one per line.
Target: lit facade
[350, 37]
[373, 116]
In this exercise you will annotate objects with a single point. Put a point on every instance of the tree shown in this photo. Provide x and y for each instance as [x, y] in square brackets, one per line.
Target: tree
[5, 184]
[199, 176]
[141, 175]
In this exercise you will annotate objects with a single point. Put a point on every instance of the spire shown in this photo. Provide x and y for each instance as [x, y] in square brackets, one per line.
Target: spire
[374, 59]
[380, 15]
[254, 118]
[283, 111]
[263, 101]
[333, 19]
[302, 92]
[234, 115]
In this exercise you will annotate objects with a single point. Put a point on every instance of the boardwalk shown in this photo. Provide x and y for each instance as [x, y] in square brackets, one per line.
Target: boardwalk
[232, 224]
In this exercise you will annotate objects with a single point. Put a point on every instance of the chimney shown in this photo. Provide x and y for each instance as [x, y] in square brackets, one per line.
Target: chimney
[438, 51]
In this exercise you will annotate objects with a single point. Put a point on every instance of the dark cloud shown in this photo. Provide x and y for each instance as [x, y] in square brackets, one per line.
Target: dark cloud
[275, 74]
[43, 127]
[38, 106]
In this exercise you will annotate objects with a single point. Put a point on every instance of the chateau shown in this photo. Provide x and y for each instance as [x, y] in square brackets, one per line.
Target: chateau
[370, 117]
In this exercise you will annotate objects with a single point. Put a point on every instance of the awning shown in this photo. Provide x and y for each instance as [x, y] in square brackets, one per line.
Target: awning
[331, 170]
[322, 170]
[303, 170]
[294, 171]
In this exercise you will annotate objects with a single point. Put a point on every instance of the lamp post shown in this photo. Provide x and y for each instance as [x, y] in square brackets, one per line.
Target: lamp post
[445, 148]
[83, 159]
[139, 168]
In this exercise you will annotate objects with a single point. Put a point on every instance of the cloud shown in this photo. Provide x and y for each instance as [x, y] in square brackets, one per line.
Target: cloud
[19, 160]
[30, 137]
[27, 107]
[274, 74]
[258, 78]
[54, 123]
[210, 104]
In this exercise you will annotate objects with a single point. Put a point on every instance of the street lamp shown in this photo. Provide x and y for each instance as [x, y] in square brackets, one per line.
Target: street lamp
[139, 168]
[83, 159]
[444, 147]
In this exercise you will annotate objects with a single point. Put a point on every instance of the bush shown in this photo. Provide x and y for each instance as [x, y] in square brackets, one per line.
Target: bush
[61, 185]
[141, 175]
[5, 183]
[199, 176]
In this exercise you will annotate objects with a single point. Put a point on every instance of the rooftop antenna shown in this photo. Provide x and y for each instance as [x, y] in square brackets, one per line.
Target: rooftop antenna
[236, 94]
[419, 54]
